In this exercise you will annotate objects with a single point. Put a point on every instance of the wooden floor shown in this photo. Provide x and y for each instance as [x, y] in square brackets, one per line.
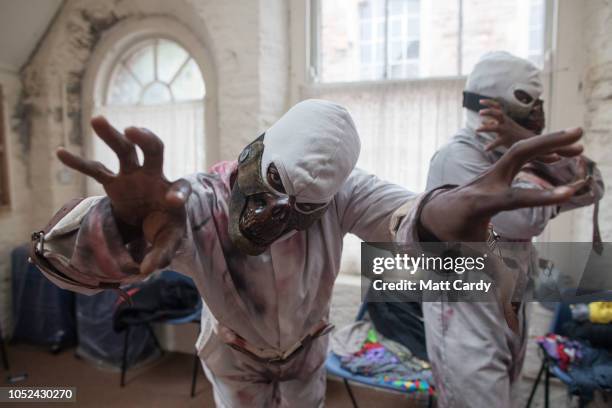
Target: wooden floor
[164, 383]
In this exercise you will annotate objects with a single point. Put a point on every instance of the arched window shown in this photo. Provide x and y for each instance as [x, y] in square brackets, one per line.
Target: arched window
[156, 84]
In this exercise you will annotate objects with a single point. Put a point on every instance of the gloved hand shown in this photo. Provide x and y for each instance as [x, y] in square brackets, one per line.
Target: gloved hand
[141, 196]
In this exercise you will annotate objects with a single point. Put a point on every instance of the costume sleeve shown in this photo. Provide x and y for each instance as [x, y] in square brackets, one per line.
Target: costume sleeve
[366, 206]
[82, 249]
[567, 171]
[460, 162]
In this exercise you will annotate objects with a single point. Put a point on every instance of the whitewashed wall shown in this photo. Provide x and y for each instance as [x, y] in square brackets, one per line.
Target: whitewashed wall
[247, 39]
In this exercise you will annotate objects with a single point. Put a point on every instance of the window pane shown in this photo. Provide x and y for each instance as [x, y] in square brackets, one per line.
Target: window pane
[366, 55]
[142, 64]
[413, 7]
[395, 51]
[503, 27]
[346, 26]
[396, 7]
[413, 27]
[156, 93]
[124, 89]
[170, 57]
[412, 50]
[366, 32]
[188, 84]
[396, 27]
[380, 32]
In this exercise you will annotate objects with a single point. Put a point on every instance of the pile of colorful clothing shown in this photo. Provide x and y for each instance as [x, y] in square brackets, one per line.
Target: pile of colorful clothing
[561, 349]
[588, 368]
[365, 352]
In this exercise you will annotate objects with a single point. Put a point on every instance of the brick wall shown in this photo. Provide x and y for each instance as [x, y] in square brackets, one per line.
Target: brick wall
[597, 85]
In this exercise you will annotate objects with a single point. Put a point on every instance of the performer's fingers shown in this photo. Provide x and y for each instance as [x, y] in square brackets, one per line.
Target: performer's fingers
[570, 151]
[494, 144]
[93, 169]
[528, 149]
[489, 125]
[178, 193]
[164, 247]
[491, 103]
[493, 113]
[549, 158]
[151, 145]
[125, 150]
[514, 198]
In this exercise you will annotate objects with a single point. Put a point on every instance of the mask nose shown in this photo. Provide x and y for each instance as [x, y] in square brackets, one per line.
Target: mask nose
[269, 207]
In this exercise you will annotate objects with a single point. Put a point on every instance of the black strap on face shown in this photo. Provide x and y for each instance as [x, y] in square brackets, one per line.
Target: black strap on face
[471, 101]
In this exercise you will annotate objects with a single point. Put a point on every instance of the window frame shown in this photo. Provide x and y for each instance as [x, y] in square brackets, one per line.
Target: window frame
[5, 196]
[129, 51]
[313, 62]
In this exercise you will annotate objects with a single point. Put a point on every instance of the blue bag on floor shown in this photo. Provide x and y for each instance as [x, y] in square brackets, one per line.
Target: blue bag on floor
[42, 313]
[99, 342]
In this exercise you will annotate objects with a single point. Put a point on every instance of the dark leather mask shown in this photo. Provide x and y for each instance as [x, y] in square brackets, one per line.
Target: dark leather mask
[259, 214]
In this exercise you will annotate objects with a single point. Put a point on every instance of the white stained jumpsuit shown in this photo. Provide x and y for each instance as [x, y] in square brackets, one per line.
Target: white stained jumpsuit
[476, 358]
[270, 301]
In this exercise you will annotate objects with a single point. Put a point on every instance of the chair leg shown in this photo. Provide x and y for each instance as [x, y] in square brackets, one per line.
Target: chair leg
[546, 387]
[124, 359]
[350, 393]
[536, 383]
[194, 376]
[5, 363]
[152, 333]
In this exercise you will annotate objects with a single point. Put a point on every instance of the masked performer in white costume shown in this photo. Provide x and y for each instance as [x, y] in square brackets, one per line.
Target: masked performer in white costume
[476, 357]
[262, 238]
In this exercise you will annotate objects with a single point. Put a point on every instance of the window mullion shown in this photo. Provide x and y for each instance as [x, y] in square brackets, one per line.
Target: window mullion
[460, 39]
[386, 71]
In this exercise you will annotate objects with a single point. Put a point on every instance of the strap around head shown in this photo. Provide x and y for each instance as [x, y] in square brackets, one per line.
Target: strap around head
[471, 101]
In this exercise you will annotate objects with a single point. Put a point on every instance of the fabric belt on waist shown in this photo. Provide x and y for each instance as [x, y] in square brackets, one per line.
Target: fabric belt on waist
[238, 343]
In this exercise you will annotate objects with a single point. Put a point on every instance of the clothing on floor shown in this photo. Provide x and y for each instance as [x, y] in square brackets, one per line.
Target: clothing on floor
[597, 335]
[600, 312]
[385, 360]
[589, 368]
[561, 349]
[402, 322]
[156, 300]
[348, 340]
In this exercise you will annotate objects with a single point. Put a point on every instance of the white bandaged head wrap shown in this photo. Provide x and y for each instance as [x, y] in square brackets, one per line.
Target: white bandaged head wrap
[498, 75]
[315, 147]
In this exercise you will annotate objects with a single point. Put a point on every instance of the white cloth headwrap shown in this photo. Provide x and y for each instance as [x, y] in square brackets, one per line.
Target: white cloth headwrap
[315, 147]
[497, 75]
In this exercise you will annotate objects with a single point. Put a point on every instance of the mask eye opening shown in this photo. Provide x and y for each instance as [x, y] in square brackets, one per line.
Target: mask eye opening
[274, 179]
[523, 97]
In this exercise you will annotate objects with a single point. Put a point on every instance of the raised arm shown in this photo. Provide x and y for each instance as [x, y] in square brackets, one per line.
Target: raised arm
[101, 242]
[464, 213]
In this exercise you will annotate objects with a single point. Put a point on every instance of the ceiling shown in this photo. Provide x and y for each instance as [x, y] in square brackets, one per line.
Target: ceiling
[22, 24]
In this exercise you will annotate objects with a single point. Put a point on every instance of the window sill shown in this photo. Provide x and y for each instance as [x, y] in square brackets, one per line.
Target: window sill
[381, 82]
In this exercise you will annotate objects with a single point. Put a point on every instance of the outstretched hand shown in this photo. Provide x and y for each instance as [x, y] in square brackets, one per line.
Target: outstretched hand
[464, 213]
[140, 195]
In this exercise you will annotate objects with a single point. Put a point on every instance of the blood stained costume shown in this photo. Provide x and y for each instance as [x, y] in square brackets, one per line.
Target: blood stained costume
[262, 341]
[476, 358]
[262, 238]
